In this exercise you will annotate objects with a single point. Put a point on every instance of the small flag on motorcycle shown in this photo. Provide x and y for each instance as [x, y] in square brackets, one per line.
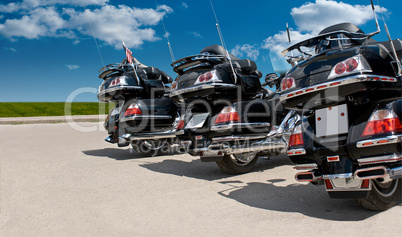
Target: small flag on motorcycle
[129, 54]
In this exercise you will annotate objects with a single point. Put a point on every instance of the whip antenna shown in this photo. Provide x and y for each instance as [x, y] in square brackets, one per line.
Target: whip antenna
[223, 42]
[167, 37]
[93, 35]
[287, 30]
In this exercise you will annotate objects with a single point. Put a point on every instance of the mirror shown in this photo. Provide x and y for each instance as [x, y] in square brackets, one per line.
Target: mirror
[271, 79]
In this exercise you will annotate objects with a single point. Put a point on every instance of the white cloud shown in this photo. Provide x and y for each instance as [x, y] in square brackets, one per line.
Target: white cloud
[10, 49]
[72, 67]
[110, 24]
[29, 4]
[39, 22]
[313, 17]
[167, 34]
[249, 50]
[279, 42]
[184, 5]
[196, 34]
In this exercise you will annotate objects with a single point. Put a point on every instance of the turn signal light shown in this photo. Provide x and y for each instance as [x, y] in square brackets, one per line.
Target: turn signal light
[382, 122]
[227, 115]
[296, 139]
[180, 125]
[132, 110]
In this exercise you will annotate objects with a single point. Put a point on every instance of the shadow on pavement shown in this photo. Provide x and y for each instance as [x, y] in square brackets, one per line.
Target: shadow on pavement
[114, 153]
[309, 200]
[207, 170]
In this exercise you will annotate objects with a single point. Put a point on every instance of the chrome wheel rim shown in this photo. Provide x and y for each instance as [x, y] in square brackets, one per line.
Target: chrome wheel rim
[386, 189]
[243, 158]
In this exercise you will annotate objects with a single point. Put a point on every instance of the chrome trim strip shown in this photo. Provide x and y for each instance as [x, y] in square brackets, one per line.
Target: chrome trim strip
[376, 142]
[237, 138]
[119, 88]
[337, 176]
[138, 117]
[151, 135]
[238, 125]
[296, 152]
[199, 88]
[380, 159]
[330, 84]
[311, 166]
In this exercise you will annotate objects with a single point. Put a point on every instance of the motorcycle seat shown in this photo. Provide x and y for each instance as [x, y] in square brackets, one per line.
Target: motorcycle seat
[246, 66]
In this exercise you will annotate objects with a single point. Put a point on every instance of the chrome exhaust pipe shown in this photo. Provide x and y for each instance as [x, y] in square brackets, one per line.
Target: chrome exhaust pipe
[371, 173]
[395, 173]
[305, 177]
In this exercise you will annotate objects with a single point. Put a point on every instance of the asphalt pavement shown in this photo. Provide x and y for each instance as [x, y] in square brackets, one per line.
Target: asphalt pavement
[63, 179]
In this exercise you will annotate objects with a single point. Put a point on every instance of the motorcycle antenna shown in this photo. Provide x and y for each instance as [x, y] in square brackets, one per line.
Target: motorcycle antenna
[223, 42]
[93, 35]
[167, 37]
[390, 40]
[376, 20]
[287, 30]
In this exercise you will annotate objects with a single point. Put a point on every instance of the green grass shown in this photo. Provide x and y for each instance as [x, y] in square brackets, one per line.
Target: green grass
[34, 109]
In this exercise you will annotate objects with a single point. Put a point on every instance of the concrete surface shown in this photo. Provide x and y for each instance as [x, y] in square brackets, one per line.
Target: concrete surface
[58, 181]
[52, 119]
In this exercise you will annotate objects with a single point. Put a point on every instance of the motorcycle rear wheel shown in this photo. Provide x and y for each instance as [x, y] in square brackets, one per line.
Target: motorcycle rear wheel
[382, 195]
[239, 163]
[151, 148]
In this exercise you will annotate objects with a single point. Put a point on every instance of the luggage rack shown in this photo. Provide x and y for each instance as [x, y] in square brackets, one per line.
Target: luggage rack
[188, 62]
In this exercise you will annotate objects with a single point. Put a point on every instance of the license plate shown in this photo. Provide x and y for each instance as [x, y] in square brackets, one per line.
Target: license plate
[197, 121]
[331, 121]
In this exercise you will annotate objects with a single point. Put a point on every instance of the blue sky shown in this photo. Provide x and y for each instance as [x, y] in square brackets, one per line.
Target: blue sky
[47, 51]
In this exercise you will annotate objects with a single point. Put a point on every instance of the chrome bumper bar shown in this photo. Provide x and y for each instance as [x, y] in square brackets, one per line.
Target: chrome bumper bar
[147, 136]
[221, 147]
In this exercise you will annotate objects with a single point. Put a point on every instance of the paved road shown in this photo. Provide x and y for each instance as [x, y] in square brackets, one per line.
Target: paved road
[56, 181]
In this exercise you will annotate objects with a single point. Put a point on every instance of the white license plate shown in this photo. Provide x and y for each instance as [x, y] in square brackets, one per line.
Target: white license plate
[197, 121]
[331, 121]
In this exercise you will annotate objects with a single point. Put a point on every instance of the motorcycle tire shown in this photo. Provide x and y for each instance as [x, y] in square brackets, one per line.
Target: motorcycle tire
[151, 148]
[382, 195]
[232, 164]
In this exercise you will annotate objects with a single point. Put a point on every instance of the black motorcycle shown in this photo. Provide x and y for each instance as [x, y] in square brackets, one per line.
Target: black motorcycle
[349, 89]
[227, 113]
[144, 115]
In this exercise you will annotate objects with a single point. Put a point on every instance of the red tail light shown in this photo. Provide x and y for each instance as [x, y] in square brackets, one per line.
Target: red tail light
[287, 83]
[382, 122]
[296, 139]
[208, 76]
[173, 86]
[328, 184]
[227, 115]
[350, 65]
[132, 110]
[118, 81]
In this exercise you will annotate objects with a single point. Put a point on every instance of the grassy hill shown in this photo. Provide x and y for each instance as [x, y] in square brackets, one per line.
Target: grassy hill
[34, 109]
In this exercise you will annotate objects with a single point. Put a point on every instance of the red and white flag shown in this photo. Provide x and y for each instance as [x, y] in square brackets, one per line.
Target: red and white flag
[129, 54]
